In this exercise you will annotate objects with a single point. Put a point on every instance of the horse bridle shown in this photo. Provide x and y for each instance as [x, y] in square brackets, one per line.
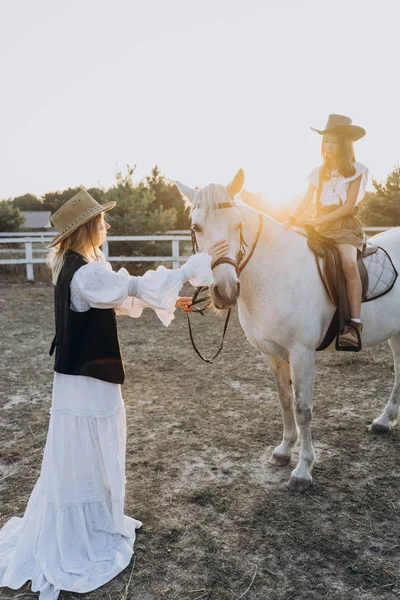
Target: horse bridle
[241, 261]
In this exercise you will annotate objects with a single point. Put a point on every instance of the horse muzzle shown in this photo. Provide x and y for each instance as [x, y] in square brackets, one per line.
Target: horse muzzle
[225, 295]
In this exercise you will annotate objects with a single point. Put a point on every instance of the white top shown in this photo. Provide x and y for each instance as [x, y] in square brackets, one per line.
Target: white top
[96, 285]
[335, 190]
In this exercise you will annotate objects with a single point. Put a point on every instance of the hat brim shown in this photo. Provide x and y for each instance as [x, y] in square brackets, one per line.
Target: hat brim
[353, 131]
[61, 236]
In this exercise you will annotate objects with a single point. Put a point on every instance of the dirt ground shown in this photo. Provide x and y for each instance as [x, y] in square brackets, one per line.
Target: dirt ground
[219, 522]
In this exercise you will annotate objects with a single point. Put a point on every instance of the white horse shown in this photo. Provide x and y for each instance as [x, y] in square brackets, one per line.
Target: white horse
[285, 311]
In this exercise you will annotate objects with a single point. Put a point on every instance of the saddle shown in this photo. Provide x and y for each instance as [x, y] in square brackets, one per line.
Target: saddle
[377, 274]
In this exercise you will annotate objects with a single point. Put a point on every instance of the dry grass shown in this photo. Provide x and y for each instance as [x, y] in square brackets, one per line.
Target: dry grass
[219, 523]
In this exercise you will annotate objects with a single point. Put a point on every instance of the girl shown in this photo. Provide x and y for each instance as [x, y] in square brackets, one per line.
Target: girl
[339, 185]
[74, 535]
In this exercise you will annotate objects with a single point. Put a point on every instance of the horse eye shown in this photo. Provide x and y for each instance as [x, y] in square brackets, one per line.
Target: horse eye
[196, 228]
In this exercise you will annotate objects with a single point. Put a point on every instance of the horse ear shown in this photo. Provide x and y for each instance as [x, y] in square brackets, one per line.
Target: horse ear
[235, 187]
[187, 192]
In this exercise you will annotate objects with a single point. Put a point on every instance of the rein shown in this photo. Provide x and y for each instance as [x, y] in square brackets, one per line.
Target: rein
[241, 261]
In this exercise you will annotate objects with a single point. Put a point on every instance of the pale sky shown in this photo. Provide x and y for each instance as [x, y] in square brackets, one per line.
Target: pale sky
[199, 87]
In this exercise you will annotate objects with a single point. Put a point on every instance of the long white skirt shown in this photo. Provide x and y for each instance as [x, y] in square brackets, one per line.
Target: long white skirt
[74, 535]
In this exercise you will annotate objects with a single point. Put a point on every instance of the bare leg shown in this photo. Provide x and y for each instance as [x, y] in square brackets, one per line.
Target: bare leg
[281, 370]
[302, 368]
[391, 410]
[348, 255]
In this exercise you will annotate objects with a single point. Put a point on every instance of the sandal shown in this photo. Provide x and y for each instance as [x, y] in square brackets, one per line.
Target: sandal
[351, 336]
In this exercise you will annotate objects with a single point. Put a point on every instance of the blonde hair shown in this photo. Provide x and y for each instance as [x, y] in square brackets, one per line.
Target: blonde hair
[83, 240]
[210, 197]
[345, 159]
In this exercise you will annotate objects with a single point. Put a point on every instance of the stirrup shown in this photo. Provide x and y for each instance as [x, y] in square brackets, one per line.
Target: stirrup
[343, 348]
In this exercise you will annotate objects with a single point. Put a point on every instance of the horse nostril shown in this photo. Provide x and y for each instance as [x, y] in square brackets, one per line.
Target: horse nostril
[215, 291]
[238, 288]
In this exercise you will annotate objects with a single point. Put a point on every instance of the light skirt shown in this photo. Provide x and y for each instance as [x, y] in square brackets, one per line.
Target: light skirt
[346, 230]
[74, 535]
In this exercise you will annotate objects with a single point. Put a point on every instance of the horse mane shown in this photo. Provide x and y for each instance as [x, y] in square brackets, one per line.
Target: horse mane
[209, 197]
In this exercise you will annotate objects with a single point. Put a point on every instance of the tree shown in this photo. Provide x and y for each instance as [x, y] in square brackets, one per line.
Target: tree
[28, 202]
[10, 217]
[137, 213]
[52, 201]
[168, 196]
[391, 187]
[382, 207]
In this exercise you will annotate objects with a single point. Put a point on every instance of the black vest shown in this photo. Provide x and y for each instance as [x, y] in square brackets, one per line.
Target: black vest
[86, 343]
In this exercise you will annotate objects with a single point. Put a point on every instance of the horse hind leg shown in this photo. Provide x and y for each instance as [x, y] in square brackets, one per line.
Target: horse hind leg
[281, 370]
[390, 413]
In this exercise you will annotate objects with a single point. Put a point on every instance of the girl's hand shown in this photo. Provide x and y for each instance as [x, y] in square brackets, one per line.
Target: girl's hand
[219, 249]
[185, 303]
[287, 224]
[290, 222]
[303, 222]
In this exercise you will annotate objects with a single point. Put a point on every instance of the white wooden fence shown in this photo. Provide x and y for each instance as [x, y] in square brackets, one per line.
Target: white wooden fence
[34, 243]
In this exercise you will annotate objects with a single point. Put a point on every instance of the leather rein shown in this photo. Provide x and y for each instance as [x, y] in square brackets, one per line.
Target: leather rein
[242, 260]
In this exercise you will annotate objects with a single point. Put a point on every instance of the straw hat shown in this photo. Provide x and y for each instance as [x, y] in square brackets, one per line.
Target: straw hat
[343, 125]
[74, 213]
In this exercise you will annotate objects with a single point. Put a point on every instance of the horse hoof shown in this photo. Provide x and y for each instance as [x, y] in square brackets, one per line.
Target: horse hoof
[296, 484]
[279, 460]
[379, 428]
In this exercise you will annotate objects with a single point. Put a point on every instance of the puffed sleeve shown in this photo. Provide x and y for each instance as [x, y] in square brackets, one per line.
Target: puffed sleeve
[314, 177]
[101, 287]
[360, 170]
[160, 289]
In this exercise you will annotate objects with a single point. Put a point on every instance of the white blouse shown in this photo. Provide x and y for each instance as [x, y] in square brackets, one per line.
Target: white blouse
[335, 190]
[96, 285]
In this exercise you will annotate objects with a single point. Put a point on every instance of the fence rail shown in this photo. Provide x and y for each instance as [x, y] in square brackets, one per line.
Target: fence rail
[39, 238]
[29, 250]
[49, 234]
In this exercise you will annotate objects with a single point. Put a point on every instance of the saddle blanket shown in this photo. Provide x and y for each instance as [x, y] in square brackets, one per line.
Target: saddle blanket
[382, 274]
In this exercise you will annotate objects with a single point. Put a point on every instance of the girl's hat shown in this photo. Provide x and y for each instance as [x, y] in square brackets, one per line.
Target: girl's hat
[343, 125]
[74, 213]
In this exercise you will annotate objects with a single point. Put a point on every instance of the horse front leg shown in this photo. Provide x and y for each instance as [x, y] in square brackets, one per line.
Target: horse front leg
[302, 369]
[282, 454]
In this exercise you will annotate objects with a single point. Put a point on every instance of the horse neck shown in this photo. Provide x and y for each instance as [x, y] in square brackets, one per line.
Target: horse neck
[282, 266]
[274, 240]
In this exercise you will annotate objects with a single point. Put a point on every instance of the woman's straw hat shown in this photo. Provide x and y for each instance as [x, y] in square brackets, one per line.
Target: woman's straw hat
[343, 125]
[74, 213]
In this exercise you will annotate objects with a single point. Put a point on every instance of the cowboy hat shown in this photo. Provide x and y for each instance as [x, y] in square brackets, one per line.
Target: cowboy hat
[74, 213]
[343, 125]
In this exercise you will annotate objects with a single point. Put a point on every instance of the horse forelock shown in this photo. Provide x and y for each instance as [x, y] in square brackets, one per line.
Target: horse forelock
[208, 198]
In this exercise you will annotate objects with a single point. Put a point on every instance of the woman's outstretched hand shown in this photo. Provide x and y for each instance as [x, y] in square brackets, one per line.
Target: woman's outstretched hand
[185, 303]
[219, 249]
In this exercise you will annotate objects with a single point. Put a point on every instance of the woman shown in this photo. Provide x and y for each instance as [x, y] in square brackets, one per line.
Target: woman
[74, 534]
[338, 186]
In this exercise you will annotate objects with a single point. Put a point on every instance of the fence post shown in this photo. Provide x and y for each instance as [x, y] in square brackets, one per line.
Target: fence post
[29, 264]
[175, 254]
